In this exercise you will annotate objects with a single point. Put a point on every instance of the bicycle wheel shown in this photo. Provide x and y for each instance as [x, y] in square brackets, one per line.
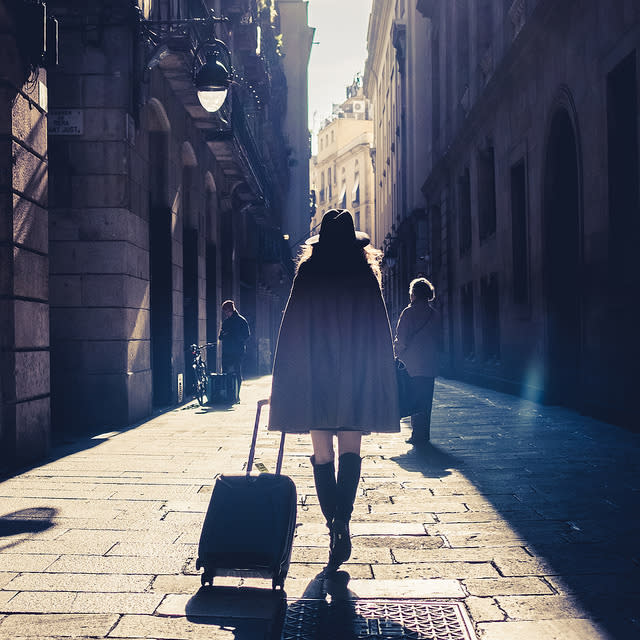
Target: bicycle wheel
[201, 385]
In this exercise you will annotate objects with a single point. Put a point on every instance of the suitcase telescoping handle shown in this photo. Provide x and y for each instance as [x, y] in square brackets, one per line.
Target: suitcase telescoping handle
[252, 450]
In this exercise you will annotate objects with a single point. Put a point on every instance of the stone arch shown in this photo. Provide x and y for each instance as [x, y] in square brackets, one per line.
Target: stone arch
[191, 206]
[189, 158]
[156, 117]
[211, 207]
[212, 264]
[189, 188]
[562, 250]
[158, 127]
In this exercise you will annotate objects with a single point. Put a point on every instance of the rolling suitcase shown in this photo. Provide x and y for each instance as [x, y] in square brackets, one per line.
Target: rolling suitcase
[249, 525]
[222, 388]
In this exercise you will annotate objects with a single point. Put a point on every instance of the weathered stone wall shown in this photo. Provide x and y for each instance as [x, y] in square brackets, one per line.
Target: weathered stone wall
[109, 182]
[557, 64]
[24, 260]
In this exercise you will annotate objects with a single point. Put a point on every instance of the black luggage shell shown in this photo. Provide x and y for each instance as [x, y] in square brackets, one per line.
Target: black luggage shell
[250, 522]
[222, 388]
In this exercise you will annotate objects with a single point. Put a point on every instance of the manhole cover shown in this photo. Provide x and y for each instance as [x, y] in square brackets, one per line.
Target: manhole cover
[376, 620]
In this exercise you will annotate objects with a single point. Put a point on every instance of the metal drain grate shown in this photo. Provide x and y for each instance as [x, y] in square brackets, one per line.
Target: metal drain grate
[376, 620]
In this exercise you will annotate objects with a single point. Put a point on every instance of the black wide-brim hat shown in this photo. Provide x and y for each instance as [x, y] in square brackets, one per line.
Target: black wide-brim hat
[337, 230]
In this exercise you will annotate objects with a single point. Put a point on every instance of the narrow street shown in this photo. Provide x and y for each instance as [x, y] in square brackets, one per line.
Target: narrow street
[527, 515]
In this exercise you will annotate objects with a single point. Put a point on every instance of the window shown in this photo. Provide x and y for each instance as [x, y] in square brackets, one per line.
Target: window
[622, 139]
[464, 211]
[329, 182]
[490, 318]
[342, 201]
[355, 192]
[486, 193]
[466, 321]
[519, 233]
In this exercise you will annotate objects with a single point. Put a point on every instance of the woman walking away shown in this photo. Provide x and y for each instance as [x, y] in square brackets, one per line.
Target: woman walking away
[334, 371]
[417, 344]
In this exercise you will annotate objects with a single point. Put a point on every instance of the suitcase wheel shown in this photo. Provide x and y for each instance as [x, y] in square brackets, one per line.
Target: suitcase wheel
[205, 578]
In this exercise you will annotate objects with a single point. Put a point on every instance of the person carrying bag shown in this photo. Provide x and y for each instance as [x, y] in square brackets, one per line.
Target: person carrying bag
[417, 346]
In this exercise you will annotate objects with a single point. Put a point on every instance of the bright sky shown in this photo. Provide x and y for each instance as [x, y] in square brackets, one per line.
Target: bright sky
[341, 34]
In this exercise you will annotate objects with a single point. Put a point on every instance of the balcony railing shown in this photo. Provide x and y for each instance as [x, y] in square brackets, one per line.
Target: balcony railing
[248, 147]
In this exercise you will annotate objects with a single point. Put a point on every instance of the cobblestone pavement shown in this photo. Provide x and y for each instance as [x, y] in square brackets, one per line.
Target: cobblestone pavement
[526, 514]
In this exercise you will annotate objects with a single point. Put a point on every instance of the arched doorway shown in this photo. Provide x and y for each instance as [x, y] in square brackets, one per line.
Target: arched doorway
[562, 260]
[212, 261]
[190, 257]
[160, 263]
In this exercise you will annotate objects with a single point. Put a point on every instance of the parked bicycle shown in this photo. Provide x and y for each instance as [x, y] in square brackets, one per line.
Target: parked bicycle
[199, 372]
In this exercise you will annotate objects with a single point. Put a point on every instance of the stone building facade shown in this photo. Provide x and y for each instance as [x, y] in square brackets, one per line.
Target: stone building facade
[398, 86]
[341, 173]
[296, 48]
[531, 195]
[24, 247]
[157, 212]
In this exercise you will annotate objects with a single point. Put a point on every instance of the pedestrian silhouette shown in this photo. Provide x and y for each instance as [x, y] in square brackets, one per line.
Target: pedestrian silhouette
[234, 334]
[417, 345]
[334, 372]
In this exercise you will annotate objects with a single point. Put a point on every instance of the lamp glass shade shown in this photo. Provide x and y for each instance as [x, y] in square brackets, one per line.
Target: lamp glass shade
[212, 82]
[212, 99]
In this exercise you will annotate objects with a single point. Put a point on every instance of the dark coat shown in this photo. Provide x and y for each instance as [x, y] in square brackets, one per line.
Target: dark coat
[334, 366]
[234, 334]
[418, 339]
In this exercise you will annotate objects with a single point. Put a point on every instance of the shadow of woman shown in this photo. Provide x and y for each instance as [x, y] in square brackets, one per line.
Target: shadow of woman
[328, 609]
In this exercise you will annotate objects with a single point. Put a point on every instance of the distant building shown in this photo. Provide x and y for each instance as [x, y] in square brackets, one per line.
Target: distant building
[341, 173]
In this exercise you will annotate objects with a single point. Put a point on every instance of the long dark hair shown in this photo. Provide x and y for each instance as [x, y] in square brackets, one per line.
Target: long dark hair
[343, 261]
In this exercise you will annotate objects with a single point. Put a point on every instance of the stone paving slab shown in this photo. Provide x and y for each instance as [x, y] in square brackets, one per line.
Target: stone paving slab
[122, 565]
[410, 588]
[541, 607]
[26, 562]
[6, 578]
[56, 625]
[507, 586]
[457, 570]
[558, 629]
[88, 582]
[163, 628]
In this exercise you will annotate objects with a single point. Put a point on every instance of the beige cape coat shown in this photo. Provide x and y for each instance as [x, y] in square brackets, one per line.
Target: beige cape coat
[334, 367]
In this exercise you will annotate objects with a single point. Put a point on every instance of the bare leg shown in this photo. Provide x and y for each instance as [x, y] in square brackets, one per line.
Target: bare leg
[349, 442]
[322, 442]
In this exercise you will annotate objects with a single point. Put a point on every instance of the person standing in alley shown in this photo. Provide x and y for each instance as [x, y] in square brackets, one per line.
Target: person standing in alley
[334, 372]
[234, 334]
[417, 344]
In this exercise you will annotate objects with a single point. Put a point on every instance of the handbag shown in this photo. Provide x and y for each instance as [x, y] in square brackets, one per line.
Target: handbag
[406, 401]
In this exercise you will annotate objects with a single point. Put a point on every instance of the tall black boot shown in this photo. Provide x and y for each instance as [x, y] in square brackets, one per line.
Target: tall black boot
[349, 465]
[324, 476]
